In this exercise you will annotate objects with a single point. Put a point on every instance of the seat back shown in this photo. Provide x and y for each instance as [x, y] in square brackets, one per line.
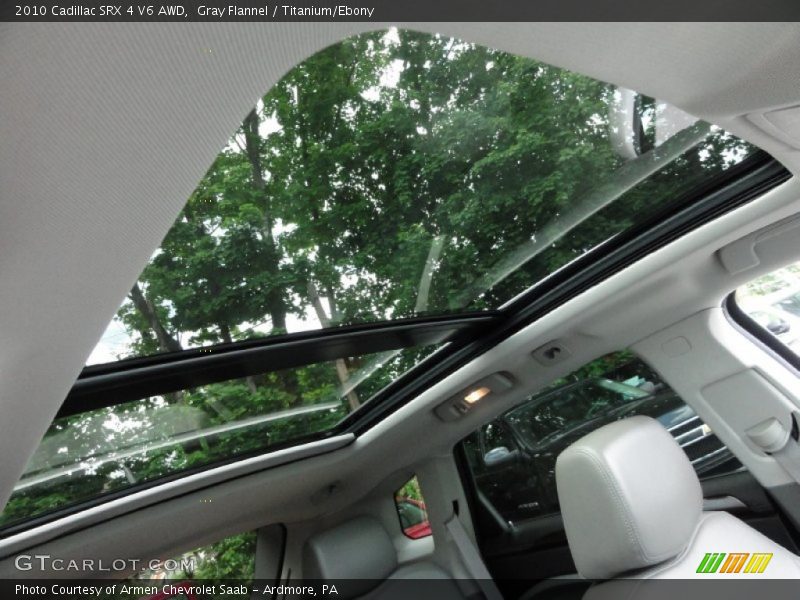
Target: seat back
[632, 507]
[359, 550]
[361, 553]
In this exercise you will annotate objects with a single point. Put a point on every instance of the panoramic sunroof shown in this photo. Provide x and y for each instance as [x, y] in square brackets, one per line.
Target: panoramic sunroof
[392, 175]
[398, 174]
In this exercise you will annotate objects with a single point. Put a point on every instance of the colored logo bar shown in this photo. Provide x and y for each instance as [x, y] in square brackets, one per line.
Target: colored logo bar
[734, 562]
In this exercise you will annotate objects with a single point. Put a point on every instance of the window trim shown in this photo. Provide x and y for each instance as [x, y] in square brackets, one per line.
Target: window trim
[758, 334]
[18, 535]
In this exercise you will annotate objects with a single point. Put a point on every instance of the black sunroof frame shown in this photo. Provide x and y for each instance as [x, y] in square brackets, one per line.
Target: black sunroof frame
[109, 384]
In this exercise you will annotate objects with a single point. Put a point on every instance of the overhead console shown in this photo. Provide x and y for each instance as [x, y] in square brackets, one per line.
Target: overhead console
[773, 244]
[782, 124]
[461, 403]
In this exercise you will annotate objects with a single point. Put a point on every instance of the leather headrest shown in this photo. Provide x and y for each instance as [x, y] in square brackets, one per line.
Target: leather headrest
[629, 498]
[358, 550]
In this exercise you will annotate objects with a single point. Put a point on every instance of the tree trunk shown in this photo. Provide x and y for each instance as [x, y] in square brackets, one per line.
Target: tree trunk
[342, 372]
[166, 342]
[276, 305]
[274, 300]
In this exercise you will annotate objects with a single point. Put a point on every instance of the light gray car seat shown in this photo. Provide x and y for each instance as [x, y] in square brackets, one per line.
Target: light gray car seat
[360, 554]
[633, 508]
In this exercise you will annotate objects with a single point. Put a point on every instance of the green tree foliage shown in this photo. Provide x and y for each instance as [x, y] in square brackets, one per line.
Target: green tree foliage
[390, 175]
[229, 562]
[366, 155]
[411, 490]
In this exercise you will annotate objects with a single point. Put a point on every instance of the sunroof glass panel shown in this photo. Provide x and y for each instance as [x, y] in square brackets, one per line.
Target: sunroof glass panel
[398, 174]
[110, 449]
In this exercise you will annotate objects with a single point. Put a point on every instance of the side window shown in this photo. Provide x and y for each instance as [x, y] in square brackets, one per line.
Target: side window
[411, 510]
[512, 459]
[230, 560]
[773, 302]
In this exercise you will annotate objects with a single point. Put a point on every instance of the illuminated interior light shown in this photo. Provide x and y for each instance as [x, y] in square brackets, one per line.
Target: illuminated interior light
[476, 395]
